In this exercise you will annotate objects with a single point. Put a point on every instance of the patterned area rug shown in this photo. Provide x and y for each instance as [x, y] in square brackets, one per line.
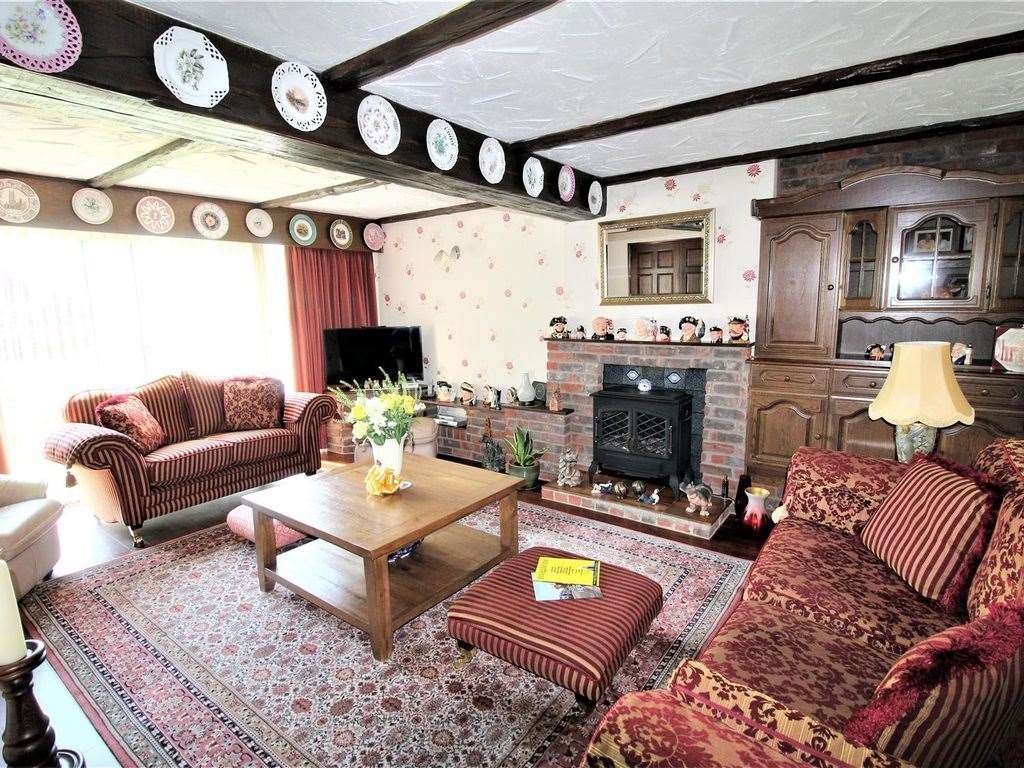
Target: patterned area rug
[179, 659]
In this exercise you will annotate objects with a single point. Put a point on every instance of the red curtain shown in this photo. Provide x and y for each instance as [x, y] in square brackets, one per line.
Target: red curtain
[326, 289]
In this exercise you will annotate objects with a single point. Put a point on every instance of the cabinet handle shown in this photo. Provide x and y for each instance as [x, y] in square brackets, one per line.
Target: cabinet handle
[787, 378]
[895, 259]
[872, 384]
[817, 436]
[984, 392]
[831, 287]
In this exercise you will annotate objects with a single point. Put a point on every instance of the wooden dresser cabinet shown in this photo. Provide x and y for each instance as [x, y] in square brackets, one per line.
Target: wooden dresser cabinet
[895, 254]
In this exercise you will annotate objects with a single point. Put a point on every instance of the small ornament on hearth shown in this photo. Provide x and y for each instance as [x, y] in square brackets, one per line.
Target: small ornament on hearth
[739, 329]
[874, 352]
[467, 393]
[511, 396]
[645, 329]
[602, 329]
[664, 334]
[961, 353]
[691, 329]
[603, 488]
[492, 397]
[493, 452]
[620, 489]
[651, 498]
[568, 475]
[526, 393]
[699, 497]
[554, 399]
[621, 335]
[579, 334]
[715, 335]
[558, 329]
[443, 391]
[638, 487]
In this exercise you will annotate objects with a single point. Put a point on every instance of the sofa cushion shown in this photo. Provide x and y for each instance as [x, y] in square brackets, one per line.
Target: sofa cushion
[187, 460]
[933, 527]
[1003, 461]
[831, 578]
[205, 400]
[796, 661]
[253, 403]
[258, 444]
[1000, 576]
[952, 699]
[128, 415]
[165, 399]
[23, 523]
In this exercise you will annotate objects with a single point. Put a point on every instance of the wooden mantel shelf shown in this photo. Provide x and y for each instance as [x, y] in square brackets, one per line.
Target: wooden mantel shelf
[743, 345]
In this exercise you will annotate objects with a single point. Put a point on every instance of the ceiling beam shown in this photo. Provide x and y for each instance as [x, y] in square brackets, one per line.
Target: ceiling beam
[461, 25]
[821, 82]
[137, 166]
[464, 208]
[316, 194]
[849, 142]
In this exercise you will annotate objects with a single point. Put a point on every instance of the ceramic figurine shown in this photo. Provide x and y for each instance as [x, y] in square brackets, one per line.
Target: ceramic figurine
[620, 489]
[494, 451]
[467, 393]
[664, 334]
[579, 334]
[716, 335]
[961, 353]
[739, 329]
[554, 399]
[699, 496]
[645, 329]
[621, 335]
[874, 352]
[638, 487]
[602, 327]
[691, 328]
[568, 475]
[444, 391]
[651, 498]
[492, 397]
[557, 326]
[601, 488]
[511, 397]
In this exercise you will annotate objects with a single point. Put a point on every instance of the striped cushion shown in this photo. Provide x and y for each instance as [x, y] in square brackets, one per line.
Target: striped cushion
[165, 399]
[187, 460]
[577, 644]
[258, 444]
[953, 699]
[933, 527]
[205, 400]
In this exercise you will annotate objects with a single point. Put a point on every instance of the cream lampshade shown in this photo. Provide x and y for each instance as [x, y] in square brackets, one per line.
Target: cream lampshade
[920, 394]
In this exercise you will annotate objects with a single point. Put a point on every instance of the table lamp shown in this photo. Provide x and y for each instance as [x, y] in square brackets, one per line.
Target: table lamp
[920, 394]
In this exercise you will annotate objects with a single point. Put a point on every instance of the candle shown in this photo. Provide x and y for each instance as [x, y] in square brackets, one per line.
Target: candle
[12, 637]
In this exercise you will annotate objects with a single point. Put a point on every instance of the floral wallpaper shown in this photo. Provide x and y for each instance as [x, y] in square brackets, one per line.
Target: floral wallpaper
[483, 285]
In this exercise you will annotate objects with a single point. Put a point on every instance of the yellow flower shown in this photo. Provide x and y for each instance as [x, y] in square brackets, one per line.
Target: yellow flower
[359, 430]
[408, 404]
[381, 481]
[358, 412]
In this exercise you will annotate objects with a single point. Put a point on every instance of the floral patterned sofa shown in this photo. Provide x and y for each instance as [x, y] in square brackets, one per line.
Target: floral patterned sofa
[200, 461]
[829, 659]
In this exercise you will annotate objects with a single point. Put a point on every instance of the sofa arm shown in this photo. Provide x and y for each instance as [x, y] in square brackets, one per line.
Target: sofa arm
[305, 413]
[837, 489]
[100, 448]
[14, 491]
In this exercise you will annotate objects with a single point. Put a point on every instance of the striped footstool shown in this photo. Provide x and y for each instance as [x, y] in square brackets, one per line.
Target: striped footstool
[577, 644]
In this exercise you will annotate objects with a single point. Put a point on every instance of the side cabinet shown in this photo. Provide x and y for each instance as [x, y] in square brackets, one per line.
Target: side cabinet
[779, 424]
[851, 430]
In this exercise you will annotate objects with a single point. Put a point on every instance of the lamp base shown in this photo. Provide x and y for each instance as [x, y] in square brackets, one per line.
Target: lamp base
[914, 438]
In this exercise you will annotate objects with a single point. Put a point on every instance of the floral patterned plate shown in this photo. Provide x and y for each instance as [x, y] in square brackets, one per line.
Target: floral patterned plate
[492, 161]
[379, 125]
[374, 237]
[155, 215]
[340, 233]
[43, 36]
[442, 144]
[210, 221]
[19, 203]
[191, 67]
[595, 198]
[566, 183]
[533, 177]
[93, 206]
[259, 222]
[302, 229]
[299, 96]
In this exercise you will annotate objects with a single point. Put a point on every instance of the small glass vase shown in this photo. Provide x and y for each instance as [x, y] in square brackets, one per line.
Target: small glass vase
[390, 454]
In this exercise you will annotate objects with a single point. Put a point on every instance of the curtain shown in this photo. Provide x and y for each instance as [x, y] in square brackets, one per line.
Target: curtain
[327, 289]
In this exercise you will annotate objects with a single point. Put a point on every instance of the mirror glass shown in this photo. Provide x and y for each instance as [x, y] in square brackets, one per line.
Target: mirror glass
[656, 260]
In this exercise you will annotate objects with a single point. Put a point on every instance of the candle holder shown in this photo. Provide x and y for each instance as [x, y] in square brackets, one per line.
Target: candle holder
[28, 737]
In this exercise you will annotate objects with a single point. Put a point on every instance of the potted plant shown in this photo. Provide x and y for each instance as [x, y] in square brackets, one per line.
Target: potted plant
[523, 461]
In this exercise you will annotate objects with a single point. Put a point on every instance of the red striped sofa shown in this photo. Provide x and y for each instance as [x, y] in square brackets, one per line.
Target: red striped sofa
[828, 658]
[201, 460]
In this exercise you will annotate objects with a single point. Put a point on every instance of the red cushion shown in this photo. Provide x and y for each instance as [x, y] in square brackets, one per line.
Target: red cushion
[128, 415]
[933, 527]
[205, 400]
[578, 644]
[240, 523]
[253, 403]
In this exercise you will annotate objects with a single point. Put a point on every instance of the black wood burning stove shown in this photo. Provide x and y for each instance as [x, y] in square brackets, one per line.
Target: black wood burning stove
[642, 434]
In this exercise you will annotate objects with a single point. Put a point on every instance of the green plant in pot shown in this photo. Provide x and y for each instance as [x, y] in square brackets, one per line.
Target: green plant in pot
[524, 460]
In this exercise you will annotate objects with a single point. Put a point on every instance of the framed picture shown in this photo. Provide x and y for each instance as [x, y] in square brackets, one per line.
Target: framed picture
[924, 242]
[945, 240]
[1008, 350]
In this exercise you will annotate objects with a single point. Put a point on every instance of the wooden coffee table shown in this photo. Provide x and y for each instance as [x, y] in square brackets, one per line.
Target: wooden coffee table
[345, 569]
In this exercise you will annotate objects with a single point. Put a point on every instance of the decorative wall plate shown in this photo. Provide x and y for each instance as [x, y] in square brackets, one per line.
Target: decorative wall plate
[1009, 349]
[533, 177]
[155, 215]
[341, 233]
[259, 222]
[566, 183]
[492, 161]
[595, 198]
[299, 96]
[93, 206]
[191, 67]
[43, 36]
[379, 125]
[442, 144]
[374, 237]
[302, 229]
[210, 221]
[19, 203]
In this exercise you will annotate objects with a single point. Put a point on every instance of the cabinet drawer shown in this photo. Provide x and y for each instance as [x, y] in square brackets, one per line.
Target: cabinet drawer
[863, 382]
[992, 391]
[789, 378]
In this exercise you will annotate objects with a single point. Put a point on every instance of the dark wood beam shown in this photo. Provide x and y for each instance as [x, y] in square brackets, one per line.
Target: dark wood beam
[465, 207]
[135, 167]
[466, 23]
[316, 194]
[850, 142]
[821, 82]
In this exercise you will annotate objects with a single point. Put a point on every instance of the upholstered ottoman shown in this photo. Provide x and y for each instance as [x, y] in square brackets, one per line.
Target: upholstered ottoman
[577, 644]
[240, 523]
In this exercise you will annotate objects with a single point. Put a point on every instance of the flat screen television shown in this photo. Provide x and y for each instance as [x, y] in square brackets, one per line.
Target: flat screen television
[357, 354]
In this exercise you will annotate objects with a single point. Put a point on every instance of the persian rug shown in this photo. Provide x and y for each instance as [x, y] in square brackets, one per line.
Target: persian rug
[180, 660]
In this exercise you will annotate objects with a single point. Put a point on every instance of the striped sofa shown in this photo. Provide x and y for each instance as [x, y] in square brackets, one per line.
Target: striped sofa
[827, 658]
[201, 460]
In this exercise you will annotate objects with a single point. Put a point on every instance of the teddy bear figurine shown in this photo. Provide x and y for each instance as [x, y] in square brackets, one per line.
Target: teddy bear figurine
[557, 326]
[602, 327]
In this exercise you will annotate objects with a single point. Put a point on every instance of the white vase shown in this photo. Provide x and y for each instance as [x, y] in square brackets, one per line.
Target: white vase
[390, 454]
[526, 392]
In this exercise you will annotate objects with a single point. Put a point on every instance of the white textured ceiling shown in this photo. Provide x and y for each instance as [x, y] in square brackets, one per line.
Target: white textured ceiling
[318, 34]
[387, 200]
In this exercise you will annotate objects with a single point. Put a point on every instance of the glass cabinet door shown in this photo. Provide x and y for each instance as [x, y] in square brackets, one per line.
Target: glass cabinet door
[1008, 267]
[863, 235]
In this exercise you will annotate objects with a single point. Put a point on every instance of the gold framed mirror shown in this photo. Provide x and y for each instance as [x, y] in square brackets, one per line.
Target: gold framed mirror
[657, 259]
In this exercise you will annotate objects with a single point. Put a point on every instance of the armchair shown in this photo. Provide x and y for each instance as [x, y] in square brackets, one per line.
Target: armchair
[28, 531]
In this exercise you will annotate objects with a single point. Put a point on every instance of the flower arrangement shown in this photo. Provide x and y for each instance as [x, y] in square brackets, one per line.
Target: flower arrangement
[379, 410]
